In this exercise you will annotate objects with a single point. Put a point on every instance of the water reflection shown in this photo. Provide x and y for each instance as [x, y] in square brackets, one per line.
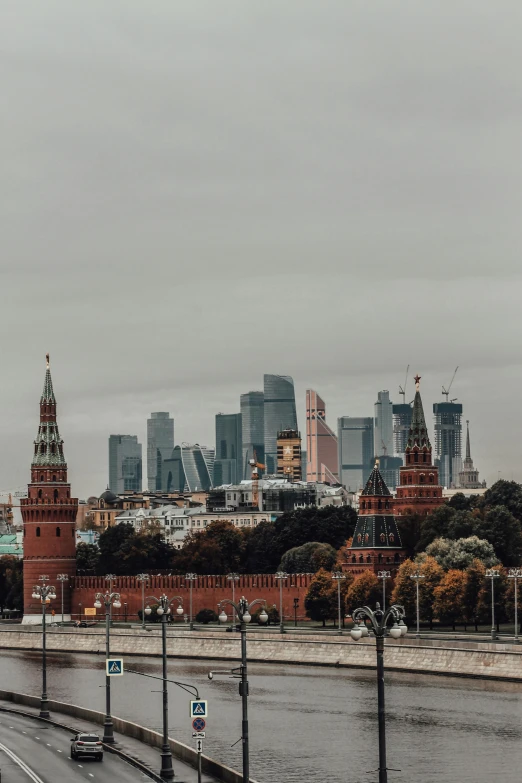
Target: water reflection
[310, 723]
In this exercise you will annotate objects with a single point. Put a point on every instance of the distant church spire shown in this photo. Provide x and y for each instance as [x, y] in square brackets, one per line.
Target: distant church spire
[418, 435]
[468, 449]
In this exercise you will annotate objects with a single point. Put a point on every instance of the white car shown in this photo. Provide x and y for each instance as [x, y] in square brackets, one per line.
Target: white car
[87, 745]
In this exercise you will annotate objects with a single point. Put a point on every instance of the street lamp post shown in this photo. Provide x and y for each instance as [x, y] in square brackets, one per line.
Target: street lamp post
[110, 579]
[338, 576]
[242, 609]
[107, 600]
[515, 574]
[164, 603]
[191, 578]
[379, 622]
[280, 577]
[46, 594]
[62, 578]
[384, 575]
[296, 604]
[143, 578]
[493, 573]
[417, 576]
[233, 578]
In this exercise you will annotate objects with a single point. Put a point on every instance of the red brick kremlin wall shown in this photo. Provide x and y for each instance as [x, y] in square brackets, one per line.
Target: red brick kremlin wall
[207, 591]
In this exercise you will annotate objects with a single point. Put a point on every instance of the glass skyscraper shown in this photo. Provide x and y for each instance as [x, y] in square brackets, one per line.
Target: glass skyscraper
[448, 441]
[355, 442]
[160, 442]
[229, 452]
[125, 464]
[279, 414]
[252, 406]
[188, 469]
[383, 433]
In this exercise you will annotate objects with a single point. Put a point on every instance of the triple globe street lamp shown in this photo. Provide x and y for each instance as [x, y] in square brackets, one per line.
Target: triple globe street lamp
[493, 573]
[379, 620]
[46, 594]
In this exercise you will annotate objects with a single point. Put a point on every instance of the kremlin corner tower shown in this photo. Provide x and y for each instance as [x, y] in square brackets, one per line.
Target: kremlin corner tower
[48, 511]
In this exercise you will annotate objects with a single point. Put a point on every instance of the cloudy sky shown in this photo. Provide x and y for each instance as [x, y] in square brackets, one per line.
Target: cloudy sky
[194, 193]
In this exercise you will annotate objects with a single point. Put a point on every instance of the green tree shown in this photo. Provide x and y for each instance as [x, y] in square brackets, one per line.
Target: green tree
[449, 597]
[308, 558]
[318, 602]
[110, 543]
[260, 553]
[405, 590]
[11, 582]
[146, 551]
[435, 525]
[504, 531]
[87, 558]
[409, 526]
[504, 493]
[461, 553]
[329, 525]
[365, 590]
[206, 616]
[200, 555]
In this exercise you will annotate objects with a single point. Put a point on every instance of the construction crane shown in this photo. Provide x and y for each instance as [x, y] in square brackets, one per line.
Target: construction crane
[402, 389]
[447, 391]
[256, 467]
[384, 448]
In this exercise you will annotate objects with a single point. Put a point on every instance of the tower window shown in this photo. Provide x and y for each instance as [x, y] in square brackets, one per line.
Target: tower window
[54, 476]
[58, 532]
[55, 495]
[39, 493]
[37, 532]
[41, 477]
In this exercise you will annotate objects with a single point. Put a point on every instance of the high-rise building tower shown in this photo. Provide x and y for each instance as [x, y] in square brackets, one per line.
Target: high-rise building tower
[376, 541]
[188, 469]
[448, 441]
[48, 511]
[289, 455]
[355, 444]
[229, 451]
[160, 442]
[321, 442]
[469, 475]
[418, 489]
[252, 406]
[125, 464]
[383, 431]
[280, 414]
[401, 428]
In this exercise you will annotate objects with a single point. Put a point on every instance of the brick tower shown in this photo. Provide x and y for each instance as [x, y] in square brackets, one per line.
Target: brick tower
[48, 512]
[376, 543]
[418, 491]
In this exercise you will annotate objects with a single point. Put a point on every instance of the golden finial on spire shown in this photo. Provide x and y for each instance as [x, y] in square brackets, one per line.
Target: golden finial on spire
[377, 462]
[47, 360]
[417, 381]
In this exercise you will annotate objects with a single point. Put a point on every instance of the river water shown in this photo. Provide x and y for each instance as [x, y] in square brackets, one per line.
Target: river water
[310, 723]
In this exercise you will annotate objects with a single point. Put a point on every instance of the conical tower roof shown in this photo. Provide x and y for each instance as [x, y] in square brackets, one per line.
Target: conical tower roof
[376, 486]
[418, 435]
[48, 391]
[48, 446]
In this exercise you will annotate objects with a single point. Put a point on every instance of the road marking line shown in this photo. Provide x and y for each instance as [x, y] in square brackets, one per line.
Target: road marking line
[24, 732]
[59, 751]
[34, 777]
[48, 744]
[37, 737]
[91, 775]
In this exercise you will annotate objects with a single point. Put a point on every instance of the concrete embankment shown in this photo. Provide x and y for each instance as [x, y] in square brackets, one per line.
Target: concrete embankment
[429, 656]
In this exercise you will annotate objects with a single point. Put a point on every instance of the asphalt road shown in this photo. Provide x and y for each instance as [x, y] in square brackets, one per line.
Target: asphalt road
[31, 752]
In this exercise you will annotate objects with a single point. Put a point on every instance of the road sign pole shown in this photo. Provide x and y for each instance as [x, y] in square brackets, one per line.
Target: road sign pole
[200, 748]
[167, 772]
[108, 726]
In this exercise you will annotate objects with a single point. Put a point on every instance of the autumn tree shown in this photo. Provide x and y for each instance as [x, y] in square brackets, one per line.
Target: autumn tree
[433, 575]
[365, 590]
[319, 603]
[448, 597]
[404, 590]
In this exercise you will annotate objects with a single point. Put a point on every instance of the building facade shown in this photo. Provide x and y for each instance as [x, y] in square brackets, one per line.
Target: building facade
[229, 449]
[160, 442]
[469, 475]
[383, 424]
[419, 490]
[125, 463]
[289, 457]
[252, 406]
[321, 442]
[355, 447]
[188, 469]
[279, 414]
[48, 511]
[376, 541]
[448, 441]
[401, 428]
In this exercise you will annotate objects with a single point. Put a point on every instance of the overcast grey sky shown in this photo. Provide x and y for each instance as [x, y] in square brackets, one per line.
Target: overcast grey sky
[194, 193]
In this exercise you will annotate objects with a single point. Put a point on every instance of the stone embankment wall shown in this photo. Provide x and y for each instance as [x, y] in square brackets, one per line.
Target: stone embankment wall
[428, 656]
[207, 592]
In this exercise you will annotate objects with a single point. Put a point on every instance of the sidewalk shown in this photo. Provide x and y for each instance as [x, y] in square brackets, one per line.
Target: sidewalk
[143, 753]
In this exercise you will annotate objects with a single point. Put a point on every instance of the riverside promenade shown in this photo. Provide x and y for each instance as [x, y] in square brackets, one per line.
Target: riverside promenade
[459, 656]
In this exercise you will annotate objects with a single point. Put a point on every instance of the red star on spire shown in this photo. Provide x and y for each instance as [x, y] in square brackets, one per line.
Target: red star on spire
[417, 379]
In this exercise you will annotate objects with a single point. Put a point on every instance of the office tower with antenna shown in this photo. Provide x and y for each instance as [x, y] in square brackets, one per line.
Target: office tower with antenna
[448, 437]
[401, 413]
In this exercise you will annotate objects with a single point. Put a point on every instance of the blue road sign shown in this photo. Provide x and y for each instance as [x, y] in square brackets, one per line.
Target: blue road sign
[199, 709]
[198, 724]
[114, 667]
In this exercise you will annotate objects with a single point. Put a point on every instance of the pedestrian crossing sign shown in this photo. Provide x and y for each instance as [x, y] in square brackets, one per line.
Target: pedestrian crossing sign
[199, 709]
[114, 667]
